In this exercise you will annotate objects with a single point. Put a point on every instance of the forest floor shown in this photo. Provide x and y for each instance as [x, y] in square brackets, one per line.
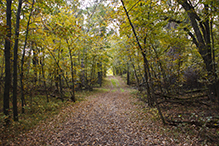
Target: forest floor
[112, 116]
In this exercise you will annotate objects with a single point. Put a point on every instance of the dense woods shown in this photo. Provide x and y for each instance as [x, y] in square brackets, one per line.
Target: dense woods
[57, 46]
[167, 49]
[170, 52]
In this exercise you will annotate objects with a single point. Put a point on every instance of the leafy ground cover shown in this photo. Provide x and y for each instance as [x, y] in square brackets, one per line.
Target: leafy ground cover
[110, 116]
[37, 110]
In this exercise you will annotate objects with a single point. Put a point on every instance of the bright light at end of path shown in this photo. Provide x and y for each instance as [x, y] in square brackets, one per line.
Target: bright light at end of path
[109, 72]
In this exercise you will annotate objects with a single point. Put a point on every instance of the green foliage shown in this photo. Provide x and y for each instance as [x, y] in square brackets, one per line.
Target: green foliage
[115, 82]
[103, 89]
[122, 90]
[38, 112]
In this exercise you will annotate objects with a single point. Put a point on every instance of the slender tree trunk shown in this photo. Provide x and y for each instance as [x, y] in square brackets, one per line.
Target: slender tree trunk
[15, 112]
[82, 75]
[140, 74]
[51, 80]
[58, 66]
[61, 88]
[135, 73]
[161, 68]
[86, 71]
[72, 73]
[146, 64]
[91, 73]
[7, 62]
[44, 78]
[59, 76]
[99, 66]
[35, 63]
[72, 77]
[23, 56]
[146, 72]
[29, 61]
[128, 74]
[56, 79]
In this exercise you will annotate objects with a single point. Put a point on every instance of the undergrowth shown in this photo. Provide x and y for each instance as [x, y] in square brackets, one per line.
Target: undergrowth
[122, 90]
[115, 82]
[37, 110]
[181, 132]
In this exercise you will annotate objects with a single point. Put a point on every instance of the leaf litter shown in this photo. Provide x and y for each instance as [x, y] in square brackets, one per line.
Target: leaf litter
[106, 118]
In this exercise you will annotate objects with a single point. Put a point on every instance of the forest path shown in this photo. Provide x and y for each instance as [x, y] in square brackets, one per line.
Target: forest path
[109, 117]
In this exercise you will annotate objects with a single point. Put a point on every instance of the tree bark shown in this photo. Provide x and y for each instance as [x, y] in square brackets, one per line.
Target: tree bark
[61, 87]
[128, 74]
[203, 41]
[15, 112]
[99, 66]
[135, 73]
[23, 56]
[72, 73]
[44, 78]
[146, 64]
[7, 62]
[35, 62]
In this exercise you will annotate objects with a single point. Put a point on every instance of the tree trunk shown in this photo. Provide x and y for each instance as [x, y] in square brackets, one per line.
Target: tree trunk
[59, 76]
[15, 112]
[99, 66]
[86, 71]
[59, 68]
[202, 41]
[161, 69]
[60, 88]
[135, 74]
[72, 73]
[146, 64]
[35, 63]
[128, 75]
[22, 60]
[7, 63]
[44, 78]
[146, 72]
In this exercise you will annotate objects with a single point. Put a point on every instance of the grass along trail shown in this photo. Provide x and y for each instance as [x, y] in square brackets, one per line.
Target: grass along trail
[109, 117]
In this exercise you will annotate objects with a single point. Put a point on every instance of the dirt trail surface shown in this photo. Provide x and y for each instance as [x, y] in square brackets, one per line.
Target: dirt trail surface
[106, 118]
